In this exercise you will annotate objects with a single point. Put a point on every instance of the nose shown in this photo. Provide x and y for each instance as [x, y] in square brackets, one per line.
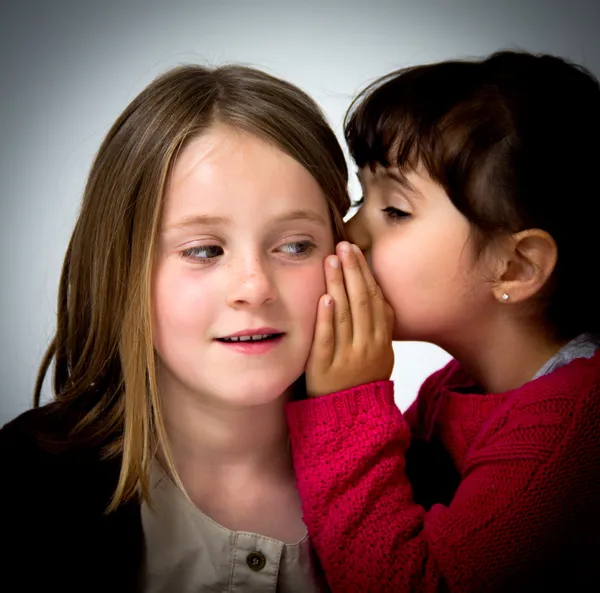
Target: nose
[357, 231]
[251, 284]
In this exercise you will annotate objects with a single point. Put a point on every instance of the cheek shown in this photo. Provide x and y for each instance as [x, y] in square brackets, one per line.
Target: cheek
[180, 303]
[388, 270]
[422, 263]
[302, 289]
[409, 266]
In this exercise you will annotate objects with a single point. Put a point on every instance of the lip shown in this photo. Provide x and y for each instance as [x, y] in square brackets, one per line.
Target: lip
[254, 348]
[254, 332]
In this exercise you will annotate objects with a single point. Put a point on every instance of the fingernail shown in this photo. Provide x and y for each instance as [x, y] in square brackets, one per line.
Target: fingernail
[344, 247]
[356, 249]
[328, 300]
[334, 262]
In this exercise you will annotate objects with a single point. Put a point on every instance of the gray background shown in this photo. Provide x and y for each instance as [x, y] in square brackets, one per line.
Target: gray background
[68, 68]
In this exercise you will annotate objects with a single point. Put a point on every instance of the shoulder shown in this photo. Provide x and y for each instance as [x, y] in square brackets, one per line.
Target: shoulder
[558, 410]
[19, 438]
[577, 382]
[55, 501]
[36, 436]
[41, 465]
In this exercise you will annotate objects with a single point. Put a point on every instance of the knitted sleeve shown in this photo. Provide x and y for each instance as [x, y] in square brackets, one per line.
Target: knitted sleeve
[530, 485]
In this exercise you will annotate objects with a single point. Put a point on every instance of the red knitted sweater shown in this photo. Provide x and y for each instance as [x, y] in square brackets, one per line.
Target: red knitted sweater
[497, 492]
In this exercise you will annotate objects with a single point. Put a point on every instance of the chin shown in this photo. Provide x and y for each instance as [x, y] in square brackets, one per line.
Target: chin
[414, 331]
[259, 392]
[402, 334]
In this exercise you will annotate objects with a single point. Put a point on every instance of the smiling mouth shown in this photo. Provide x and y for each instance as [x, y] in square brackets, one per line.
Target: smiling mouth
[252, 338]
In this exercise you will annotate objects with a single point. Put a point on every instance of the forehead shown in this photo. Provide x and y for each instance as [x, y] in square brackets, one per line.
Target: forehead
[229, 170]
[407, 179]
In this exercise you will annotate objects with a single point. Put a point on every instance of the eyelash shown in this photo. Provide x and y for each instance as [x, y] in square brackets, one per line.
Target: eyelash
[395, 214]
[309, 247]
[192, 252]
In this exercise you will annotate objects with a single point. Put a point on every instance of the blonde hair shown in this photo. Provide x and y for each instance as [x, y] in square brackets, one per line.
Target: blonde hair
[104, 362]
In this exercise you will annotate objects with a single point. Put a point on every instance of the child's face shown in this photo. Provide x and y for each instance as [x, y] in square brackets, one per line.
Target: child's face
[420, 248]
[244, 232]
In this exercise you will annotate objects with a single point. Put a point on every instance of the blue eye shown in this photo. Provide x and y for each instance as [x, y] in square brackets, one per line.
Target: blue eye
[298, 248]
[394, 214]
[202, 252]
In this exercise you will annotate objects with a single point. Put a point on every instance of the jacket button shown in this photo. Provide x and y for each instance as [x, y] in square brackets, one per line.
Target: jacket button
[256, 561]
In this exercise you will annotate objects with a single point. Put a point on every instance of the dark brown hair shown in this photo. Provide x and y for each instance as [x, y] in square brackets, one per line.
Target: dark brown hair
[514, 140]
[103, 351]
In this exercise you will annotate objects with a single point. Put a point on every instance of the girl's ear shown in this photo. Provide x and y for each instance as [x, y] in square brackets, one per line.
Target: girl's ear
[528, 262]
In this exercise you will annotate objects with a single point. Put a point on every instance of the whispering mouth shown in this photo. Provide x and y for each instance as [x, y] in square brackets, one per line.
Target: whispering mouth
[246, 339]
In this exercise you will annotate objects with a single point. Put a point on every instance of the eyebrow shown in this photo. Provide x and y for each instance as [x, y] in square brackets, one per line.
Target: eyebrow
[205, 220]
[309, 215]
[200, 220]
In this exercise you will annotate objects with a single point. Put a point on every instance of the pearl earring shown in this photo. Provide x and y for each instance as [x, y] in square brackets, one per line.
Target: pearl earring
[505, 296]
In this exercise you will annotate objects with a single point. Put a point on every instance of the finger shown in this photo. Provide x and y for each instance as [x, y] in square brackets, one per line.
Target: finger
[323, 347]
[380, 309]
[390, 319]
[341, 309]
[358, 295]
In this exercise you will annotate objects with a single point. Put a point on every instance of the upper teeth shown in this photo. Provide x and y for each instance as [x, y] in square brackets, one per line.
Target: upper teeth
[247, 338]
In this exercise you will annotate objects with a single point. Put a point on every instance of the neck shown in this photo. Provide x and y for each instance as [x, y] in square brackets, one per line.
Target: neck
[510, 359]
[209, 439]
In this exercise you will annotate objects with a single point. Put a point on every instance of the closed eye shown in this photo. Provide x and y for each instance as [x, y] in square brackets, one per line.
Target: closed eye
[395, 214]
